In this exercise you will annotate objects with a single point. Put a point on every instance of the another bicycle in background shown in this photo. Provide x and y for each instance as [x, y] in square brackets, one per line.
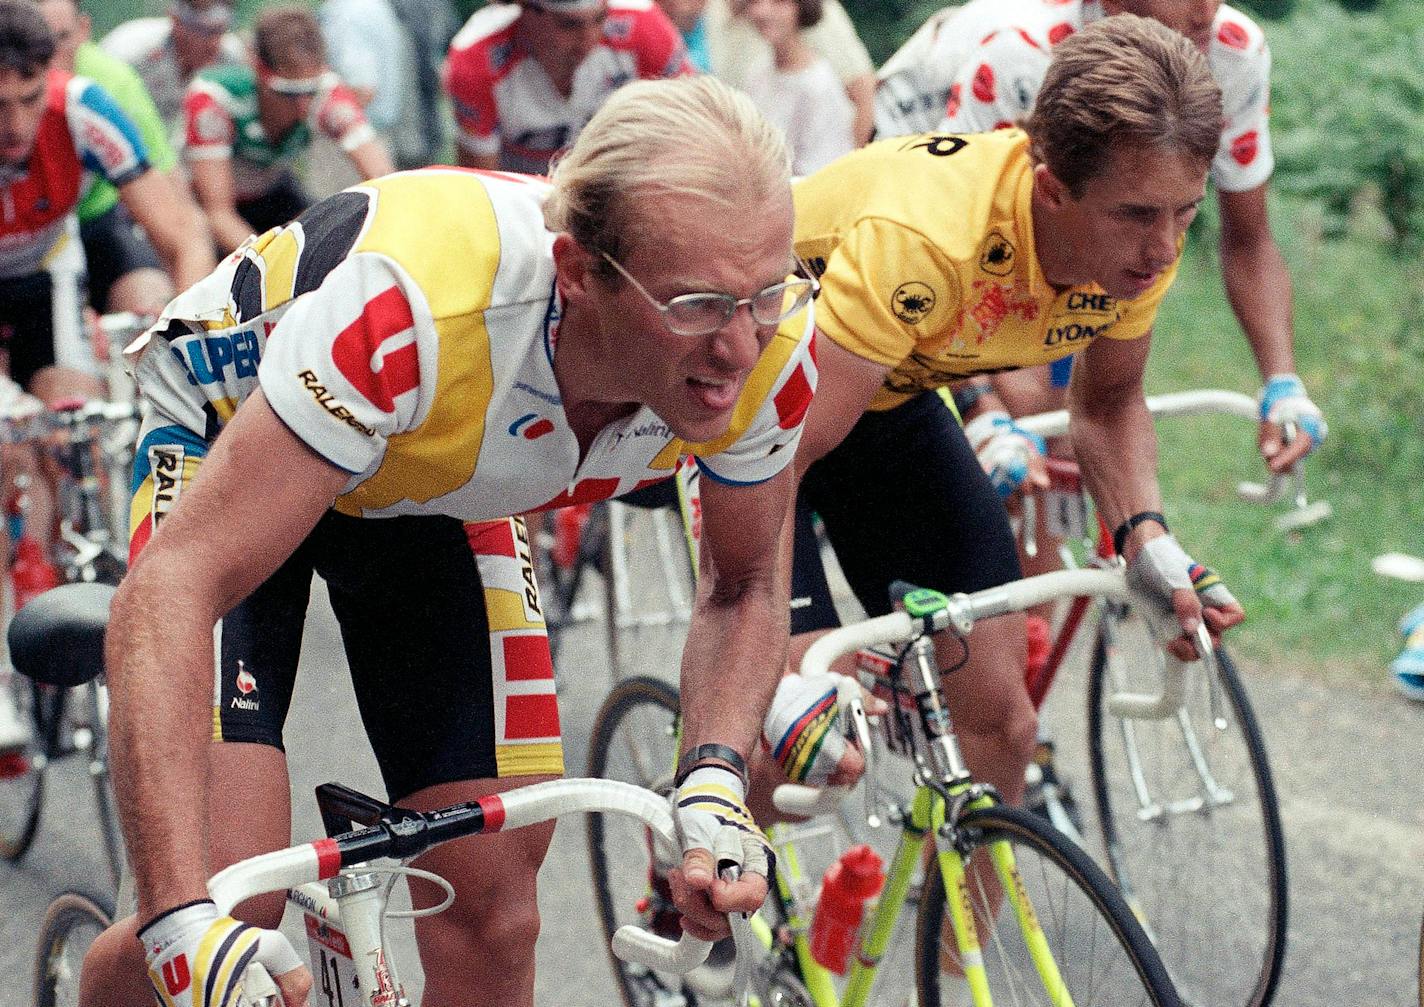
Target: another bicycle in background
[1032, 919]
[89, 447]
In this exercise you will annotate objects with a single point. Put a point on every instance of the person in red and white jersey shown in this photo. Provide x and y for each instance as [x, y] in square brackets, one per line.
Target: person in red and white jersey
[979, 67]
[525, 77]
[342, 395]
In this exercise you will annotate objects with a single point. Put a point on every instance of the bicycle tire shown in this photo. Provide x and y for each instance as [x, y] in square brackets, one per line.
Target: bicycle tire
[22, 772]
[1209, 885]
[560, 585]
[1051, 869]
[72, 917]
[627, 743]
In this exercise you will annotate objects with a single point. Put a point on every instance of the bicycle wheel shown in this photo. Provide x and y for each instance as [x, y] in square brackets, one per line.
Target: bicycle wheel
[71, 924]
[22, 769]
[1189, 821]
[648, 591]
[634, 739]
[1101, 952]
[561, 583]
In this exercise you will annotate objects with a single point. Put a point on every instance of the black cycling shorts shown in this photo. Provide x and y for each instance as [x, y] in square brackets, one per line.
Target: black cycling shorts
[114, 246]
[442, 693]
[42, 325]
[902, 498]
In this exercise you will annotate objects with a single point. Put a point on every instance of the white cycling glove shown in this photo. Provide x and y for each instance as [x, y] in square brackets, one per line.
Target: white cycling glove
[1162, 566]
[711, 803]
[1004, 449]
[197, 958]
[802, 728]
[1284, 400]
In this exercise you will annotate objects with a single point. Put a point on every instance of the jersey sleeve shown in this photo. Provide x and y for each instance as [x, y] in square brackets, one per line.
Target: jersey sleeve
[1242, 64]
[997, 84]
[657, 45]
[353, 363]
[207, 123]
[340, 116]
[106, 139]
[1140, 313]
[471, 94]
[886, 290]
[777, 395]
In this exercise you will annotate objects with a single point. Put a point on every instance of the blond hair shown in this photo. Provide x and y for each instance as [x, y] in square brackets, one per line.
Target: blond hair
[691, 137]
[1123, 81]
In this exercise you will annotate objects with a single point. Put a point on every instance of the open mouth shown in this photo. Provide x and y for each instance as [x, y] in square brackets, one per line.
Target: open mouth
[714, 394]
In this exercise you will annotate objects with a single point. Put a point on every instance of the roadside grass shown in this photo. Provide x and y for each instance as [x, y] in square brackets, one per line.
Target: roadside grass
[1314, 606]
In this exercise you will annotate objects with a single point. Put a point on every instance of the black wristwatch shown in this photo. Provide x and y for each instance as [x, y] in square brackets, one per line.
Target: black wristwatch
[705, 754]
[967, 396]
[1125, 529]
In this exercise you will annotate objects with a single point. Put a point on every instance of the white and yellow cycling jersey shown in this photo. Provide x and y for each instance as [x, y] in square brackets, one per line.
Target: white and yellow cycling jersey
[404, 329]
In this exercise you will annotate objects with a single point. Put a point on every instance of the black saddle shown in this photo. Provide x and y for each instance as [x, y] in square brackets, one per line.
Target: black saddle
[58, 638]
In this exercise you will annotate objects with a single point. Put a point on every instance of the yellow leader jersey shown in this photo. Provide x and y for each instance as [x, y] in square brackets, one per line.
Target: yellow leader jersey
[924, 246]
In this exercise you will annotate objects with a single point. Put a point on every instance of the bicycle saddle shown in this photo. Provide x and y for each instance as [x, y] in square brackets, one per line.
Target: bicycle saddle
[58, 638]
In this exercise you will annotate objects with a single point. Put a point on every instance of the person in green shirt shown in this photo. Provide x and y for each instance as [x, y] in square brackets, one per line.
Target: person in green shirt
[124, 270]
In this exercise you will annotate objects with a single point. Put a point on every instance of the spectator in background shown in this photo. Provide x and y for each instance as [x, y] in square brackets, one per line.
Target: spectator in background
[167, 51]
[737, 50]
[798, 91]
[429, 24]
[526, 77]
[1408, 667]
[369, 48]
[689, 17]
[245, 127]
[125, 273]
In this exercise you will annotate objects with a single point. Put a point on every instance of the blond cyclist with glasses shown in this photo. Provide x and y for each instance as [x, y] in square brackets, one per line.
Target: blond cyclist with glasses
[434, 348]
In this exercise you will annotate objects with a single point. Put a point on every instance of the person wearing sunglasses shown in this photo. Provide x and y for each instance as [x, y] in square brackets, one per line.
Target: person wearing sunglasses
[433, 348]
[525, 77]
[246, 126]
[167, 51]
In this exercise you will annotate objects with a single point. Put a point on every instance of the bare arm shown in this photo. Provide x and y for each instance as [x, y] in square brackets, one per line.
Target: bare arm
[488, 162]
[861, 91]
[217, 545]
[1112, 433]
[213, 185]
[1258, 285]
[180, 234]
[372, 159]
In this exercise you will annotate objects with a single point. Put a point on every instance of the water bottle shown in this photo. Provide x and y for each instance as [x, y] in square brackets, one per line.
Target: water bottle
[849, 884]
[31, 573]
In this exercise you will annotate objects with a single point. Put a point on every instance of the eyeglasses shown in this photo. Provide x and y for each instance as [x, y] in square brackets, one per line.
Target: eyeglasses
[703, 313]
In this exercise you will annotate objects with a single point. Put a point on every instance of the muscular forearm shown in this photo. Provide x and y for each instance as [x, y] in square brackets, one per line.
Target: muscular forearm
[229, 229]
[1116, 446]
[735, 655]
[159, 658]
[1259, 289]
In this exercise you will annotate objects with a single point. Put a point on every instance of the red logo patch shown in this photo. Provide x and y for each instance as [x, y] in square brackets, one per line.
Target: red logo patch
[245, 682]
[1232, 34]
[385, 315]
[951, 107]
[1028, 38]
[984, 83]
[1059, 32]
[536, 430]
[1245, 147]
[175, 975]
[793, 399]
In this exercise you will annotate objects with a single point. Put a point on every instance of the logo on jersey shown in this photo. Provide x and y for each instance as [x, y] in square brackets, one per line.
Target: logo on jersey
[912, 302]
[175, 975]
[524, 552]
[1245, 147]
[1233, 35]
[328, 402]
[1059, 32]
[531, 426]
[998, 255]
[166, 464]
[1091, 303]
[983, 86]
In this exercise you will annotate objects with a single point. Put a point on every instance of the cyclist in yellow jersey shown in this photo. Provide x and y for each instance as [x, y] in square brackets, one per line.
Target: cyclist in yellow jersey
[434, 347]
[945, 256]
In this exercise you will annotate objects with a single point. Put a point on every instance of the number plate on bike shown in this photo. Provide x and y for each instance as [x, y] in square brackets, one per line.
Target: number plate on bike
[1067, 514]
[333, 971]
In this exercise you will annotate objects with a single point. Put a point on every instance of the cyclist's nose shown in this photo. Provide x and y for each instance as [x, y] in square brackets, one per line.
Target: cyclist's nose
[737, 345]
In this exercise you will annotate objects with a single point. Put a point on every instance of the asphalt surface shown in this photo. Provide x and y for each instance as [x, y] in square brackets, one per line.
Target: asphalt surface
[1347, 767]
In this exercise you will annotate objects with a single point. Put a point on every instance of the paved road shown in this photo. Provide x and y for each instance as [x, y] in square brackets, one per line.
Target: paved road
[1347, 764]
